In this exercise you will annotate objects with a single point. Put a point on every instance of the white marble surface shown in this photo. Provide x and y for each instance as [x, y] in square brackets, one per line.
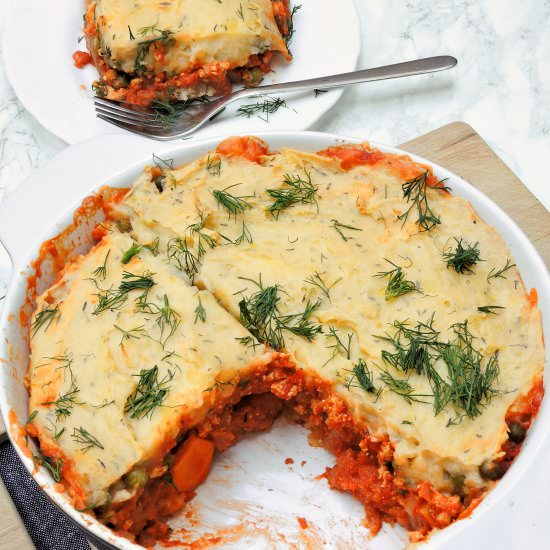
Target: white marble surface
[501, 85]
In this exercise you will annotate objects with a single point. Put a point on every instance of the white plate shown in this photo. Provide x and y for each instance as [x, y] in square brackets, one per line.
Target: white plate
[258, 487]
[40, 37]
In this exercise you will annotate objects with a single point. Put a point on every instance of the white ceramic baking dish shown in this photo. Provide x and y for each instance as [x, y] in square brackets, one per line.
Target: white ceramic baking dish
[43, 205]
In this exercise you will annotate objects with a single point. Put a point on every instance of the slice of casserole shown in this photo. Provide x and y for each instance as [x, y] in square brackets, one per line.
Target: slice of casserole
[172, 50]
[348, 287]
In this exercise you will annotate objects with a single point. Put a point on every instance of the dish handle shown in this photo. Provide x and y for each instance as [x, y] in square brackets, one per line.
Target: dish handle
[28, 213]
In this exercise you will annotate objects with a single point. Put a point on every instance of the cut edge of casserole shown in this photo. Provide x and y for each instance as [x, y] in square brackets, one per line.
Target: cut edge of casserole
[423, 397]
[160, 52]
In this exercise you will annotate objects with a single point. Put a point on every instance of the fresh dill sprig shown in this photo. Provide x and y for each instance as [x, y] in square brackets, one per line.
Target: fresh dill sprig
[316, 281]
[339, 345]
[101, 271]
[244, 236]
[134, 333]
[463, 257]
[300, 323]
[54, 466]
[177, 251]
[44, 318]
[167, 319]
[196, 231]
[64, 403]
[259, 313]
[85, 439]
[149, 394]
[298, 190]
[239, 12]
[134, 250]
[112, 299]
[415, 192]
[290, 26]
[213, 166]
[153, 247]
[495, 273]
[200, 312]
[400, 387]
[339, 226]
[232, 203]
[31, 417]
[262, 109]
[397, 284]
[471, 376]
[489, 309]
[361, 377]
[469, 381]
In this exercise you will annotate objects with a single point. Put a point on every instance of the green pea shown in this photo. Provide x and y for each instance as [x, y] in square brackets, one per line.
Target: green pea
[136, 478]
[491, 470]
[516, 432]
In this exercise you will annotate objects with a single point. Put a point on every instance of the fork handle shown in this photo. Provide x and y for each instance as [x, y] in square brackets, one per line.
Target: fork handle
[408, 68]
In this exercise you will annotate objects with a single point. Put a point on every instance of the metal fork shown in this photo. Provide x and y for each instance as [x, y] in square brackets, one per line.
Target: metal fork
[186, 120]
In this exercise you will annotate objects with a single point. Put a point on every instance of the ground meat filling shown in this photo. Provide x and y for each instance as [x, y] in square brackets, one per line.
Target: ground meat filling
[363, 465]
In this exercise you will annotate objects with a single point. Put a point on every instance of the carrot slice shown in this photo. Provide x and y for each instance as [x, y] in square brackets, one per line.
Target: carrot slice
[247, 147]
[192, 463]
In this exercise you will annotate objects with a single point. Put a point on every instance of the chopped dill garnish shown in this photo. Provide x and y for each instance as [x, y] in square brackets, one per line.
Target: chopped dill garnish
[415, 192]
[262, 109]
[239, 12]
[397, 284]
[112, 299]
[317, 281]
[232, 203]
[319, 91]
[31, 417]
[244, 236]
[134, 250]
[462, 258]
[167, 319]
[400, 387]
[53, 466]
[298, 190]
[259, 313]
[200, 312]
[339, 345]
[213, 166]
[196, 230]
[134, 333]
[489, 309]
[469, 379]
[86, 439]
[149, 394]
[101, 271]
[494, 273]
[248, 341]
[64, 403]
[290, 26]
[361, 377]
[44, 318]
[153, 247]
[184, 260]
[131, 34]
[339, 226]
[164, 37]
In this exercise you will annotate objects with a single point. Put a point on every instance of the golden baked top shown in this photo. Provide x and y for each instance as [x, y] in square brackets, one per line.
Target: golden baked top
[362, 267]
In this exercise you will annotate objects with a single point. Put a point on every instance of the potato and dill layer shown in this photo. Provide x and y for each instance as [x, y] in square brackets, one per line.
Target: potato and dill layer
[370, 274]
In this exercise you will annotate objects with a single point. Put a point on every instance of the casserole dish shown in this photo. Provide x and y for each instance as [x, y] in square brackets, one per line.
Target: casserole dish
[14, 352]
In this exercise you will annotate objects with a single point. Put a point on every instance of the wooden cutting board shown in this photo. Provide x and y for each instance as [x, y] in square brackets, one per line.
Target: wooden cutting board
[456, 147]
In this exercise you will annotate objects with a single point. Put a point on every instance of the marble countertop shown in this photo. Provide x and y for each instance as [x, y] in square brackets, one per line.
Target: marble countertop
[501, 86]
